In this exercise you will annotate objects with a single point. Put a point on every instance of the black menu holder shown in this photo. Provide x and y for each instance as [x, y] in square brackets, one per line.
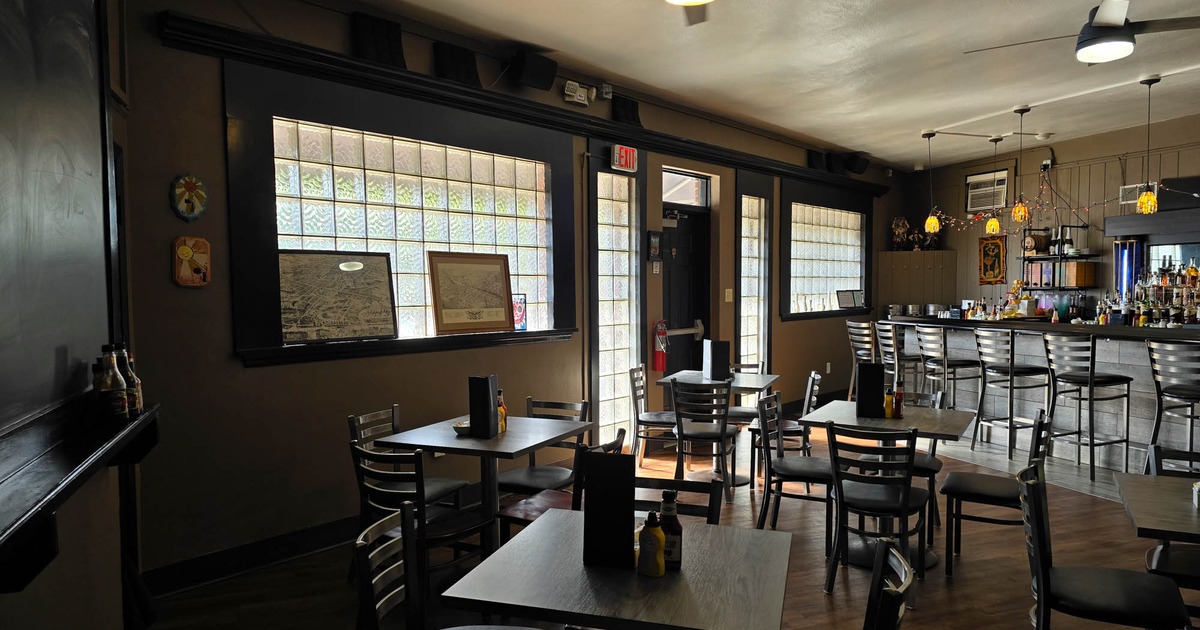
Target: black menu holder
[868, 391]
[482, 390]
[716, 360]
[607, 509]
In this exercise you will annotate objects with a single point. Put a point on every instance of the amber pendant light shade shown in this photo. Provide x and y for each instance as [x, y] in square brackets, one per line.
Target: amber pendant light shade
[1147, 202]
[933, 225]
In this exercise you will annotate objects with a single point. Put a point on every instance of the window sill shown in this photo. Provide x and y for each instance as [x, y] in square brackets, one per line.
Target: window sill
[841, 312]
[260, 357]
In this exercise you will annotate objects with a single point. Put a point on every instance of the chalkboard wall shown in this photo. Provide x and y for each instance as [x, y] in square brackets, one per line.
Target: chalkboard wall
[53, 304]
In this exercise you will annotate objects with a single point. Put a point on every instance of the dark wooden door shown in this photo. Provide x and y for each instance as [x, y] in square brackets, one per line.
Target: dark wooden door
[686, 290]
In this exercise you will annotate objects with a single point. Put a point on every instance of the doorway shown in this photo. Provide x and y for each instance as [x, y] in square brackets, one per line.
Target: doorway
[686, 286]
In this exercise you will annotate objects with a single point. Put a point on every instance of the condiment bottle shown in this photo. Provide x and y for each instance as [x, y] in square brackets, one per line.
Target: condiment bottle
[651, 542]
[501, 411]
[133, 384]
[113, 402]
[898, 400]
[672, 531]
[888, 403]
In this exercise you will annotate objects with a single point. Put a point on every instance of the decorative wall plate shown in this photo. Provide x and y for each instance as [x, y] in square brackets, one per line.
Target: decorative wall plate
[191, 261]
[189, 197]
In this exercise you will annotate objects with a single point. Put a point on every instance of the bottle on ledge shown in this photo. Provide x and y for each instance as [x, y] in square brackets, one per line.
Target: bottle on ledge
[133, 384]
[113, 401]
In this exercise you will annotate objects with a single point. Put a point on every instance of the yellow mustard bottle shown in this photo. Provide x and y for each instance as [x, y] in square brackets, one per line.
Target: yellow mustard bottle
[501, 412]
[652, 543]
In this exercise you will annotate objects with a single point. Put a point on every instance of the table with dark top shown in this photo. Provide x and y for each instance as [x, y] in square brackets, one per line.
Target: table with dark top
[934, 424]
[1160, 507]
[524, 436]
[732, 577]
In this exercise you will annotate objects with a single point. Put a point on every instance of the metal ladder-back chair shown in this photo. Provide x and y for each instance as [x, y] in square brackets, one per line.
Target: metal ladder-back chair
[862, 350]
[1176, 369]
[999, 370]
[780, 468]
[702, 417]
[657, 426]
[1072, 362]
[890, 338]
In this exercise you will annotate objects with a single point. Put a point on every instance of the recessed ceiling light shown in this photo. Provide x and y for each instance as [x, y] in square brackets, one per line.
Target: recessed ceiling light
[352, 265]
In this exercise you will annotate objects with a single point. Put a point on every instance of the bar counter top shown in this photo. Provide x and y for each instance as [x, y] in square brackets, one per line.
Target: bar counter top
[1106, 332]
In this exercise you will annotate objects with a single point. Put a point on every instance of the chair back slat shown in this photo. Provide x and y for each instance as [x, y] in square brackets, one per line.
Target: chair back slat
[637, 389]
[1039, 441]
[386, 480]
[709, 492]
[862, 341]
[995, 347]
[891, 580]
[885, 336]
[368, 427]
[1174, 363]
[889, 460]
[1070, 353]
[557, 410]
[746, 368]
[931, 341]
[811, 391]
[1170, 462]
[771, 442]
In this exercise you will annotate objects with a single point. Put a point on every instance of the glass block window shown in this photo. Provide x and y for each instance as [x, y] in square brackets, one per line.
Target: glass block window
[752, 274]
[617, 285]
[346, 190]
[826, 256]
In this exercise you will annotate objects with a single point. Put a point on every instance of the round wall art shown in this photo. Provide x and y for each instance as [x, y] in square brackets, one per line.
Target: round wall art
[189, 197]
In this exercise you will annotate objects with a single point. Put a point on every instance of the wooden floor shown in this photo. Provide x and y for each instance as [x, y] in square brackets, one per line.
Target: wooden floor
[990, 590]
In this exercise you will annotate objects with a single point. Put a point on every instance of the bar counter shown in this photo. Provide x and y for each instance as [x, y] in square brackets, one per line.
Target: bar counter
[1119, 350]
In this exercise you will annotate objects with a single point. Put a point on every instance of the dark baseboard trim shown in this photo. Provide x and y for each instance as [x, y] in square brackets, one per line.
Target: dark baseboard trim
[220, 565]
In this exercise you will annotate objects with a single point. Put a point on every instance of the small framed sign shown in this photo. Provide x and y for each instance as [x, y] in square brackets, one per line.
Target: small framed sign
[654, 245]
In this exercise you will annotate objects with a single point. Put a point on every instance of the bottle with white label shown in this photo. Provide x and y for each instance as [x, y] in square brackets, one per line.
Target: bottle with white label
[672, 531]
[113, 401]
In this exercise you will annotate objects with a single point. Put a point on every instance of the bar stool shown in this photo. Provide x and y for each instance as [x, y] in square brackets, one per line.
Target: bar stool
[1176, 369]
[940, 369]
[891, 352]
[999, 370]
[862, 350]
[1072, 363]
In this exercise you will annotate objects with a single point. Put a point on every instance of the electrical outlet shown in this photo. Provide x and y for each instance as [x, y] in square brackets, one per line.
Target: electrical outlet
[728, 295]
[828, 367]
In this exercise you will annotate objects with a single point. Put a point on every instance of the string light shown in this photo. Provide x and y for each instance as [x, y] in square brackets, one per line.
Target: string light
[1147, 202]
[932, 224]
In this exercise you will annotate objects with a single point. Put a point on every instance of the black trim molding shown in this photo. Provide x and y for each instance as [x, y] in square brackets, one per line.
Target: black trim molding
[259, 357]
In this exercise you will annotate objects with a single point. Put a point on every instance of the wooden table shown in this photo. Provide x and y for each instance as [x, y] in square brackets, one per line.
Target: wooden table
[524, 436]
[1160, 507]
[934, 424]
[743, 383]
[731, 578]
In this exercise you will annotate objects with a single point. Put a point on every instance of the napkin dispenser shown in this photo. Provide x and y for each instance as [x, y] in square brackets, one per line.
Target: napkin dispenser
[868, 391]
[716, 360]
[607, 509]
[482, 392]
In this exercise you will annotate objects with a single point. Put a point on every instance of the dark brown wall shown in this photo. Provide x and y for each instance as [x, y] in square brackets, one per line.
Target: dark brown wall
[251, 453]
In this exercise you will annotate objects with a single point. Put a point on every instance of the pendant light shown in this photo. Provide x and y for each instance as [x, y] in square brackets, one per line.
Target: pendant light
[993, 224]
[932, 224]
[1147, 202]
[1020, 212]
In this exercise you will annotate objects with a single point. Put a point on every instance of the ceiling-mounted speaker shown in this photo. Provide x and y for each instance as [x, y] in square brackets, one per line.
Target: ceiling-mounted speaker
[625, 110]
[855, 163]
[533, 70]
[816, 160]
[376, 39]
[455, 63]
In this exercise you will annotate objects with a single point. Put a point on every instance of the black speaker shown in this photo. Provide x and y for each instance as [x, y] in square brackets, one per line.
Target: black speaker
[816, 160]
[376, 39]
[855, 163]
[625, 110]
[533, 70]
[455, 63]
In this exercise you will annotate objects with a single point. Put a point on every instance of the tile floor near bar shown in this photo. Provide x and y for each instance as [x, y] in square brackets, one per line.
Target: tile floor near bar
[990, 590]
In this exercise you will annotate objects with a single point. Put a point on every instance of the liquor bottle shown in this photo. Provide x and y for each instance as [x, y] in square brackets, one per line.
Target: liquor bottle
[672, 531]
[651, 561]
[113, 402]
[1193, 273]
[133, 384]
[898, 400]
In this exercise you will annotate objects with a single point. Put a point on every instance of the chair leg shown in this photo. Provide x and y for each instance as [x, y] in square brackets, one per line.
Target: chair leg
[951, 523]
[979, 409]
[935, 517]
[839, 552]
[778, 500]
[633, 446]
[853, 380]
[766, 503]
[1127, 400]
[680, 446]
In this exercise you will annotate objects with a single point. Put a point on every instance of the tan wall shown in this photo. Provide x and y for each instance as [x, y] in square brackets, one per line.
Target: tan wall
[246, 454]
[81, 588]
[1086, 173]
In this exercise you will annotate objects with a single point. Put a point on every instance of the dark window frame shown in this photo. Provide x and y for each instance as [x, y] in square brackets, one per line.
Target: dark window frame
[763, 187]
[254, 95]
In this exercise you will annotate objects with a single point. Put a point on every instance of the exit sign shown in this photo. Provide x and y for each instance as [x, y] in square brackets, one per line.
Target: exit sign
[624, 158]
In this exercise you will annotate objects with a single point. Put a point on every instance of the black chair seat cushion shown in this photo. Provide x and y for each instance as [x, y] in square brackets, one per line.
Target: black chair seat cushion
[1018, 369]
[868, 497]
[924, 464]
[706, 431]
[454, 524]
[534, 479]
[657, 418]
[1178, 561]
[436, 488]
[787, 427]
[1117, 596]
[1182, 392]
[1101, 380]
[980, 488]
[953, 364]
[743, 412]
[789, 468]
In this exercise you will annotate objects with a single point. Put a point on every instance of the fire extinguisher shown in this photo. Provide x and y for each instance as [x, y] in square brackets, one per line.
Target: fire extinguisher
[660, 346]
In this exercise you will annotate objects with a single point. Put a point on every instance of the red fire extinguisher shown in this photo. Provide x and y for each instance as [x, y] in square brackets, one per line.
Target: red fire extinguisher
[660, 346]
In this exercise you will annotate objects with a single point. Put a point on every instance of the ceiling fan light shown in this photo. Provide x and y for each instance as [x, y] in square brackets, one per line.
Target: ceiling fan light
[688, 3]
[1102, 44]
[992, 226]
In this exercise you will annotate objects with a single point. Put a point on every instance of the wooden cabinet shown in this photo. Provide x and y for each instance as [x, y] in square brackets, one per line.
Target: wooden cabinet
[925, 277]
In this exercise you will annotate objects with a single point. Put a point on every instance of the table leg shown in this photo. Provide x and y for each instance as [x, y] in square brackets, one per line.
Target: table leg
[489, 473]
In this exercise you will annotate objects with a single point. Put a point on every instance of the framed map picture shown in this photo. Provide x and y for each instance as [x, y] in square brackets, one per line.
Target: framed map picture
[992, 260]
[471, 292]
[335, 296]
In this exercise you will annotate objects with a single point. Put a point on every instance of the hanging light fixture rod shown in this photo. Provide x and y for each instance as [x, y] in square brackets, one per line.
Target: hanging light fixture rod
[1021, 110]
[928, 134]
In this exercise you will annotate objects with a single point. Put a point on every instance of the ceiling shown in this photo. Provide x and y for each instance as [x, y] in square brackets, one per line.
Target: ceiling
[858, 75]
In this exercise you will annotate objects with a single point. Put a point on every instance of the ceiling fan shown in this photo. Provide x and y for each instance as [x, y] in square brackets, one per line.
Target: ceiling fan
[1108, 35]
[694, 11]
